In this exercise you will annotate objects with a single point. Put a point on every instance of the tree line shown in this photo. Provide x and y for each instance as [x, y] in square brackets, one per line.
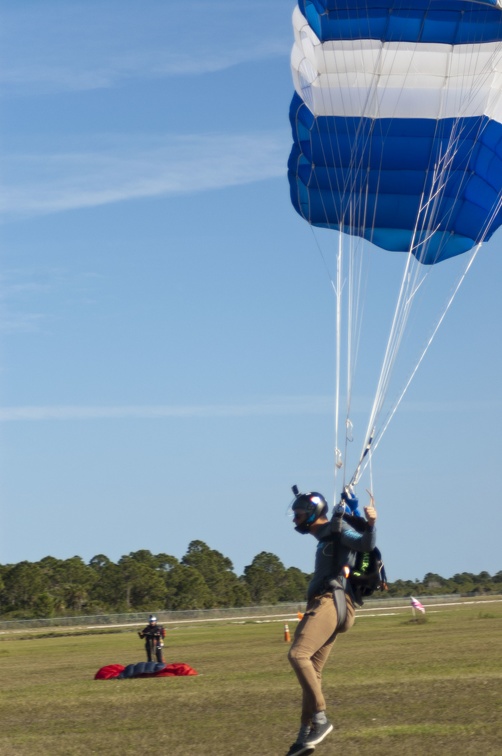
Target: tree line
[202, 579]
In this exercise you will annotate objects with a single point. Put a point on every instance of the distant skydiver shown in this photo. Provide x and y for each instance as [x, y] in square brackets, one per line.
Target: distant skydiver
[330, 603]
[154, 639]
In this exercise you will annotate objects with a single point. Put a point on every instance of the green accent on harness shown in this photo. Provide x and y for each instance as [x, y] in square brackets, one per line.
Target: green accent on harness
[365, 563]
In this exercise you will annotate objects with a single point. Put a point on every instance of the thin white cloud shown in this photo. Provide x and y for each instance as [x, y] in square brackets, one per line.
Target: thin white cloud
[26, 292]
[57, 47]
[44, 77]
[274, 406]
[124, 169]
[292, 405]
[25, 322]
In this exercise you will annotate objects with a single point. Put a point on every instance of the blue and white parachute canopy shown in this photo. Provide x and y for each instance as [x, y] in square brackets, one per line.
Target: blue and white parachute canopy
[397, 140]
[397, 121]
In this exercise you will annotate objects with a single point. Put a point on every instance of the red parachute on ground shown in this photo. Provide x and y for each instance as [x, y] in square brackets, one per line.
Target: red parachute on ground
[143, 669]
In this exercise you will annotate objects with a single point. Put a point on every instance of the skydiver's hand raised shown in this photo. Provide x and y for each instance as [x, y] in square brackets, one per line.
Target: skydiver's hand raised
[371, 514]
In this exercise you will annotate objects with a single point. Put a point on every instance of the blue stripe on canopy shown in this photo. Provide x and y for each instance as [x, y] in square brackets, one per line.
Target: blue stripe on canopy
[368, 177]
[436, 21]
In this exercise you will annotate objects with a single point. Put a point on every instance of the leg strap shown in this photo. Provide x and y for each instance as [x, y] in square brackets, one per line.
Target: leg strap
[340, 603]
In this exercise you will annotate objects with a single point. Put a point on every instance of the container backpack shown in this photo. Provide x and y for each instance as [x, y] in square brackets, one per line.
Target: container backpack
[367, 575]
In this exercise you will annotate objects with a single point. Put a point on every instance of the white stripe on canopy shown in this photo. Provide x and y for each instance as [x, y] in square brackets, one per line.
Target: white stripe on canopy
[376, 79]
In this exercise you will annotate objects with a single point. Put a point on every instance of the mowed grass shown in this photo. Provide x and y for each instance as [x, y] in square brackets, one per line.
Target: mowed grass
[393, 687]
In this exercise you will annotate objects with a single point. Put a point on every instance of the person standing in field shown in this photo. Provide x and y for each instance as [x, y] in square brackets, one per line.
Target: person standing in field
[330, 604]
[154, 639]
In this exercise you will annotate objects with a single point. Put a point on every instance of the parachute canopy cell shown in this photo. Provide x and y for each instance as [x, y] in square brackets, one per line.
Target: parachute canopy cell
[397, 121]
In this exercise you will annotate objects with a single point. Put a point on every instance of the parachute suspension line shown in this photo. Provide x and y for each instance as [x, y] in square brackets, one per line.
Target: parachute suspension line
[361, 465]
[441, 173]
[355, 183]
[400, 318]
[354, 214]
[444, 164]
[408, 290]
[337, 287]
[427, 216]
[323, 258]
[473, 255]
[403, 305]
[356, 286]
[356, 189]
[401, 313]
[428, 207]
[371, 488]
[332, 155]
[409, 287]
[338, 332]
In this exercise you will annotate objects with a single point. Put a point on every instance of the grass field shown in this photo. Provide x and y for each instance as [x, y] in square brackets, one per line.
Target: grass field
[393, 687]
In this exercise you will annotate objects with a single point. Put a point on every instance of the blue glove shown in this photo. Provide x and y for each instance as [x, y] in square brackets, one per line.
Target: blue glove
[351, 501]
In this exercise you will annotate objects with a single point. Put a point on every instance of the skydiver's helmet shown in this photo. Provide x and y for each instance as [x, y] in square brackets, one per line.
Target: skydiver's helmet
[152, 619]
[313, 504]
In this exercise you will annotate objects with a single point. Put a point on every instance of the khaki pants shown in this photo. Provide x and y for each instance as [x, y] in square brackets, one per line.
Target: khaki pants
[310, 649]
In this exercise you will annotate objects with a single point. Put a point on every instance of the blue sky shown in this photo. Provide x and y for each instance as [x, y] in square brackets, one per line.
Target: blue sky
[167, 323]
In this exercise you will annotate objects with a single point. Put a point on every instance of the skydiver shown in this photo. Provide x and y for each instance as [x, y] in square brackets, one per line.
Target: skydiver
[154, 635]
[330, 604]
